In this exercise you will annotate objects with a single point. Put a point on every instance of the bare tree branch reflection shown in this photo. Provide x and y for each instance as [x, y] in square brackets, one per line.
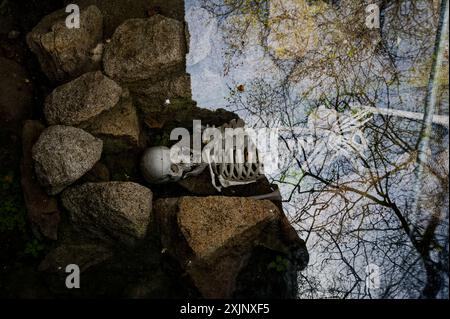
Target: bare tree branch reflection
[355, 212]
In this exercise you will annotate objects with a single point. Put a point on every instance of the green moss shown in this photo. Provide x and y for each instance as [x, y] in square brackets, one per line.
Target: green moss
[280, 264]
[34, 248]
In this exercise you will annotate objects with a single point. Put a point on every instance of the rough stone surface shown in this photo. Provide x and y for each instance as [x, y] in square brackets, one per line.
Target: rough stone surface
[213, 237]
[43, 211]
[113, 211]
[142, 48]
[210, 223]
[65, 53]
[62, 155]
[118, 127]
[81, 99]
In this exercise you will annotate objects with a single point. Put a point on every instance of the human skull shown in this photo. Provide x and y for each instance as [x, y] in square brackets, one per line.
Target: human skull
[157, 167]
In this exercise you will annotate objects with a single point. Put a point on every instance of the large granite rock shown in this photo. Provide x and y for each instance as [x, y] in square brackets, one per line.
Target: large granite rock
[142, 48]
[62, 155]
[117, 212]
[148, 57]
[43, 212]
[81, 99]
[213, 237]
[65, 53]
[99, 106]
[210, 223]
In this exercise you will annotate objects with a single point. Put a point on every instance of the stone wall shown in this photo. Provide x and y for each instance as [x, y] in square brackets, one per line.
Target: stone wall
[111, 80]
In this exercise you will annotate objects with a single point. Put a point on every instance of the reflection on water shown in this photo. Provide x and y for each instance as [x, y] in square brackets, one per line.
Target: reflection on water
[285, 64]
[206, 59]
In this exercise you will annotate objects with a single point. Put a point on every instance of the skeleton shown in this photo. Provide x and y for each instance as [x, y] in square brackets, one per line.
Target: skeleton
[236, 171]
[158, 168]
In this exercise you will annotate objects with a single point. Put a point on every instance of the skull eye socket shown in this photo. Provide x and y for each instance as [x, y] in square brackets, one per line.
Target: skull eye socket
[174, 168]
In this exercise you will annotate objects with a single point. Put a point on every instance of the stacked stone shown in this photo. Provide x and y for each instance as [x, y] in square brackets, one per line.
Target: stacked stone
[91, 113]
[88, 114]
